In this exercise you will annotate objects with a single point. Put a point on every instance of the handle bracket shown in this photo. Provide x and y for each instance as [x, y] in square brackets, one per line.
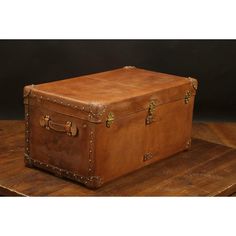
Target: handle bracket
[69, 127]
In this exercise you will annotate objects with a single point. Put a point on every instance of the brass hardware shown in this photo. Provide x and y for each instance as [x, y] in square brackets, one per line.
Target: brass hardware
[110, 119]
[194, 86]
[194, 83]
[69, 127]
[95, 113]
[187, 97]
[27, 91]
[129, 67]
[188, 144]
[147, 156]
[151, 110]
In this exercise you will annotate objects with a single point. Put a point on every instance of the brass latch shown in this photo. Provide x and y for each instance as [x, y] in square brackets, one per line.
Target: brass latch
[151, 110]
[187, 97]
[110, 119]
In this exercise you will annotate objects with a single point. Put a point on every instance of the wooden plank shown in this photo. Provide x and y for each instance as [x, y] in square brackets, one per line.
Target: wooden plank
[4, 191]
[214, 177]
[216, 132]
[207, 169]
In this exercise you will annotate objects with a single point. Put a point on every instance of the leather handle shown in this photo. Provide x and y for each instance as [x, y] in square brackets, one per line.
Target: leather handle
[69, 127]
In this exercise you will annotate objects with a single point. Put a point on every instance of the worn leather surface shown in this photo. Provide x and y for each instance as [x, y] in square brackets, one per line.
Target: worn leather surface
[97, 150]
[112, 86]
[121, 148]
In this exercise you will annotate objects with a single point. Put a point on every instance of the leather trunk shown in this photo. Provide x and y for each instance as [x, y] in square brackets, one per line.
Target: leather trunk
[95, 128]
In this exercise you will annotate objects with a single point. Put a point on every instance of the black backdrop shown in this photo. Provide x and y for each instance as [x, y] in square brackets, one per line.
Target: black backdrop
[212, 62]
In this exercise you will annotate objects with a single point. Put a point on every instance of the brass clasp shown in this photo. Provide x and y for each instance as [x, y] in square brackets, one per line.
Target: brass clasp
[151, 110]
[110, 119]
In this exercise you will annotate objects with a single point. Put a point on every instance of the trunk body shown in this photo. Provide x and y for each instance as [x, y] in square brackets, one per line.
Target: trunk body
[95, 128]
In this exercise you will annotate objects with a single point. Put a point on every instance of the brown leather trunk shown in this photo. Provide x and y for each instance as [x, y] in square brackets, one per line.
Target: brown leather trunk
[95, 128]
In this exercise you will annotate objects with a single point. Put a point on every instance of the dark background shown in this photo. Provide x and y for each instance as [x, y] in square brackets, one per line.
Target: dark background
[212, 62]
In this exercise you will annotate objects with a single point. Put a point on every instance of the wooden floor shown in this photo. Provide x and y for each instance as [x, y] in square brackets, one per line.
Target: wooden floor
[208, 169]
[216, 132]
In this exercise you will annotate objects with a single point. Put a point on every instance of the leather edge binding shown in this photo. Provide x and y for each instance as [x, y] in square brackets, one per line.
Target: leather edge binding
[95, 111]
[92, 182]
[27, 91]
